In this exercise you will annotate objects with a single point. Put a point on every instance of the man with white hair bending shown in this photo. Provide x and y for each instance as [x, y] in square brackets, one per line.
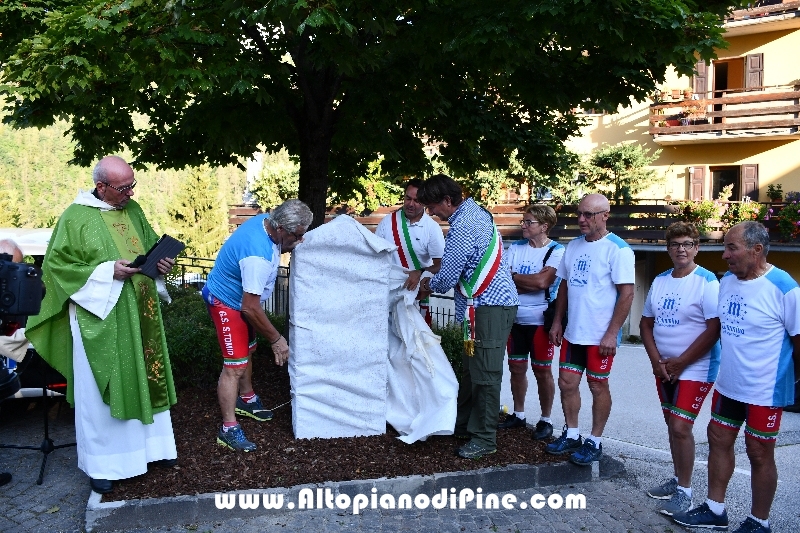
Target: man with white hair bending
[243, 277]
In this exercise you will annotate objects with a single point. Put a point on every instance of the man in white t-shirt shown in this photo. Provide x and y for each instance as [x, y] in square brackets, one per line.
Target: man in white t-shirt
[419, 240]
[598, 274]
[680, 331]
[759, 311]
[533, 261]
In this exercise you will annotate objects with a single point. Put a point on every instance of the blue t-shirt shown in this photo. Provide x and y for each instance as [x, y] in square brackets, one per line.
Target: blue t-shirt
[247, 262]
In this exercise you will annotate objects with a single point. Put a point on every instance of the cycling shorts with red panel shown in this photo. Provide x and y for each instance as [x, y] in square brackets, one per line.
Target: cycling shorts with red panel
[527, 339]
[684, 398]
[236, 336]
[763, 422]
[579, 357]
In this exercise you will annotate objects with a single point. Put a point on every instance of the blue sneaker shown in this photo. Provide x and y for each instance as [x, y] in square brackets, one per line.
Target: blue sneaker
[562, 445]
[702, 516]
[587, 454]
[234, 439]
[751, 526]
[254, 409]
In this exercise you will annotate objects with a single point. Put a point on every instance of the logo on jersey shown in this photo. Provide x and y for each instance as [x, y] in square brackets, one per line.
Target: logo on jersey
[579, 275]
[732, 312]
[667, 308]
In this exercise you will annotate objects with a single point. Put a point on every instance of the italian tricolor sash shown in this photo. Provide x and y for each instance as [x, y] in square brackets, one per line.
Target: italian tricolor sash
[408, 258]
[476, 285]
[402, 239]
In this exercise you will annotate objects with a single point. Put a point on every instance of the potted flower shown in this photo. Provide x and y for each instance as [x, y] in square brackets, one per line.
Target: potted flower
[687, 93]
[742, 211]
[706, 215]
[775, 193]
[789, 217]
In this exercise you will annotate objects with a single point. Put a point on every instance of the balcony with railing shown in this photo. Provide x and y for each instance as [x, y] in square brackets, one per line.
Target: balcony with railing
[727, 116]
[767, 15]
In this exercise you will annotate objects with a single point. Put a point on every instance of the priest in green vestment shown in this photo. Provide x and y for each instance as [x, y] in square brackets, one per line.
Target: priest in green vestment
[100, 326]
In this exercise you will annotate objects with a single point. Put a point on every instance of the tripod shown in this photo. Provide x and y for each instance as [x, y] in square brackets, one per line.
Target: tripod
[46, 373]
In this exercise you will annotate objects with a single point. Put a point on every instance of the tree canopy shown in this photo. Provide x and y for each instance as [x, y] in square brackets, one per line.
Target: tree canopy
[341, 82]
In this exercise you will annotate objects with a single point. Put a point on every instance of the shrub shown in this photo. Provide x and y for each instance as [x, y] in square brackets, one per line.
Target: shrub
[452, 344]
[191, 339]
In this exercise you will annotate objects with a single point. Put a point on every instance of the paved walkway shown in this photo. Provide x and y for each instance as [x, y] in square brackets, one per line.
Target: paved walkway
[635, 435]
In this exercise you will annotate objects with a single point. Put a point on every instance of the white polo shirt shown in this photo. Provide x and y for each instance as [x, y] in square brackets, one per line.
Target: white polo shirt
[427, 238]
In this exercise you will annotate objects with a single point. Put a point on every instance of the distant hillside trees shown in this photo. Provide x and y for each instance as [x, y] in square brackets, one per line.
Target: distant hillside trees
[198, 214]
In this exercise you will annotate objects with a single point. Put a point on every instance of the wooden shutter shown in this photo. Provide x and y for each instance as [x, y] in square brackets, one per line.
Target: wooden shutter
[754, 71]
[697, 178]
[750, 182]
[700, 79]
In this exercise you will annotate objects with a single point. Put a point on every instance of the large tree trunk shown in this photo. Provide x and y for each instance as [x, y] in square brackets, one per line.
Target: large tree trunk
[315, 123]
[314, 154]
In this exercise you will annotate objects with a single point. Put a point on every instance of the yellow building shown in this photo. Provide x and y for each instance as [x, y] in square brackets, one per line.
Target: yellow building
[741, 126]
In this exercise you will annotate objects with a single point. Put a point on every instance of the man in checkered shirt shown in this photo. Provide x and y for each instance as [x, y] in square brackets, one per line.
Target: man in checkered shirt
[473, 258]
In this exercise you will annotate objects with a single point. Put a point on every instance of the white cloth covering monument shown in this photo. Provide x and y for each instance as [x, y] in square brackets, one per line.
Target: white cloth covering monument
[351, 370]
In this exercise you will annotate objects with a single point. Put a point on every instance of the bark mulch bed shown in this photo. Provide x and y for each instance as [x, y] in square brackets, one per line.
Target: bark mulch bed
[283, 461]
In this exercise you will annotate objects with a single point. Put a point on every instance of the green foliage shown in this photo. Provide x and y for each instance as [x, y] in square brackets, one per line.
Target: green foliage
[775, 192]
[704, 213]
[740, 212]
[198, 214]
[191, 339]
[620, 171]
[278, 181]
[789, 218]
[452, 345]
[339, 83]
[371, 191]
[37, 182]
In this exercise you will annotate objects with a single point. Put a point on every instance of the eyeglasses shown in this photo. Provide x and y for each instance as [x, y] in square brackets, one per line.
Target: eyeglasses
[588, 214]
[528, 223]
[293, 234]
[685, 245]
[122, 190]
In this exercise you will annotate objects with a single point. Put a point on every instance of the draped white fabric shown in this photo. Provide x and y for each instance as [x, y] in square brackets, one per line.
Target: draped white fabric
[338, 338]
[422, 388]
[354, 365]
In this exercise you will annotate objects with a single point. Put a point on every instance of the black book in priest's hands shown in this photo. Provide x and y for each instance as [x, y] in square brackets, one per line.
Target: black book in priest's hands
[165, 247]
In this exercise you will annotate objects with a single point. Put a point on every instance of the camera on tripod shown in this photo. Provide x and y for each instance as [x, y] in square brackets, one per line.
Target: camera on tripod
[21, 289]
[21, 295]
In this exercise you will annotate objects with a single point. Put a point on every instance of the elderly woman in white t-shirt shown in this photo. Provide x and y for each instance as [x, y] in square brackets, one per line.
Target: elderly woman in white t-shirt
[680, 330]
[533, 261]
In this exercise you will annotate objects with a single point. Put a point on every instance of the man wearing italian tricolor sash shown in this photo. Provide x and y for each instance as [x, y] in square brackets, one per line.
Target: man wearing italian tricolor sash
[419, 240]
[486, 302]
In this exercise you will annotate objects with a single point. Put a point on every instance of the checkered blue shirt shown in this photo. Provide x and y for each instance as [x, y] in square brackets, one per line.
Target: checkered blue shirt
[470, 234]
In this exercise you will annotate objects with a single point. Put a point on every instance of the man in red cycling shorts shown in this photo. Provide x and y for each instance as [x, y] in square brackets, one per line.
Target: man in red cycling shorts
[759, 312]
[598, 276]
[243, 277]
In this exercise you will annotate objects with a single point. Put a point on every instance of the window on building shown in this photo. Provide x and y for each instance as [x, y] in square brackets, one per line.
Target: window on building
[744, 179]
[721, 177]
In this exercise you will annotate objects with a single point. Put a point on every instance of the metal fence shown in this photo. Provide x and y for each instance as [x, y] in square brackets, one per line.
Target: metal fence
[193, 272]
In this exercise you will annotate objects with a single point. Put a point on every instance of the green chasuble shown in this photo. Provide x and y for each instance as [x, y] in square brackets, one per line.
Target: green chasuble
[127, 351]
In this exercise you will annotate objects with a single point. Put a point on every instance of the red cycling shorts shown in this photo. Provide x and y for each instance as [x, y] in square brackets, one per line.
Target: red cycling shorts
[579, 357]
[763, 422]
[527, 339]
[684, 398]
[236, 336]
